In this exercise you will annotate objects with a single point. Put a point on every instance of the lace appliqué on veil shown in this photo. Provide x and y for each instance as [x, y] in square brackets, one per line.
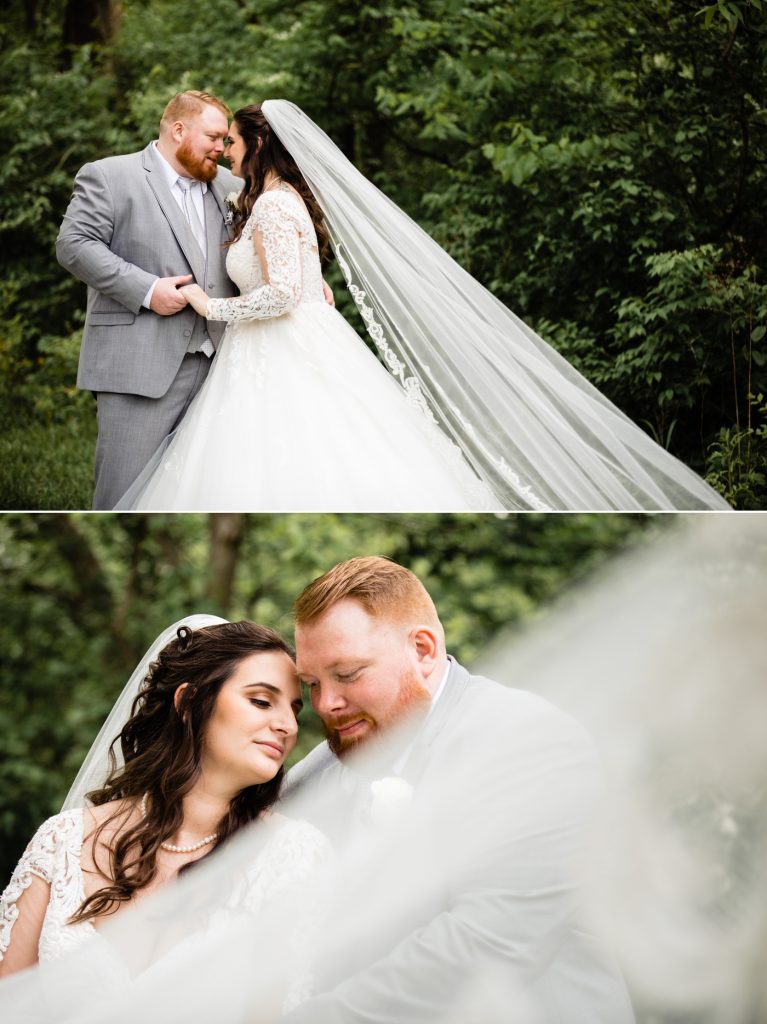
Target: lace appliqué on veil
[411, 385]
[54, 856]
[524, 490]
[290, 250]
[414, 392]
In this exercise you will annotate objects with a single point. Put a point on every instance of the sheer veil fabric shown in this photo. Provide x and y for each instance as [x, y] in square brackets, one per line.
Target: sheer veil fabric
[679, 877]
[95, 768]
[533, 429]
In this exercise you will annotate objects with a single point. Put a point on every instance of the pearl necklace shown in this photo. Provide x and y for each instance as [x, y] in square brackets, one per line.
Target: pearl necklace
[171, 847]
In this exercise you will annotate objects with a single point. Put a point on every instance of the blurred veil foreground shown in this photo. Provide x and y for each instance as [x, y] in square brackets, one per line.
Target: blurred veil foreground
[663, 660]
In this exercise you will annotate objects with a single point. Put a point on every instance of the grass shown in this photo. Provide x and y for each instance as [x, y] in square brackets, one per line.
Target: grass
[47, 465]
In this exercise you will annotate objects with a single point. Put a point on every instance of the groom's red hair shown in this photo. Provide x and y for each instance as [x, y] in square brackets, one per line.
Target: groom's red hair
[189, 104]
[385, 590]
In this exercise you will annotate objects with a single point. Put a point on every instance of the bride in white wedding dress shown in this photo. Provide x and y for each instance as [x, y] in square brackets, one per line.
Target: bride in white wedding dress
[475, 412]
[212, 718]
[297, 414]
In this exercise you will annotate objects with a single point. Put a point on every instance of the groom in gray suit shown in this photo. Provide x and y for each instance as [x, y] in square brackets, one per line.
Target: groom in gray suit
[502, 786]
[138, 227]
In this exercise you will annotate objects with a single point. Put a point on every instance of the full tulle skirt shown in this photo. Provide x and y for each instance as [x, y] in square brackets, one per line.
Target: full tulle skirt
[298, 415]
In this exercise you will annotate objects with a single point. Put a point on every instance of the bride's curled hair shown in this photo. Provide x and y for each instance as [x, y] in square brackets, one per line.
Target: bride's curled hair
[162, 745]
[264, 153]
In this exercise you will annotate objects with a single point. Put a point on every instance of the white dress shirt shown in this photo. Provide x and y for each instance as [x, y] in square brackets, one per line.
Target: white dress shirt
[197, 196]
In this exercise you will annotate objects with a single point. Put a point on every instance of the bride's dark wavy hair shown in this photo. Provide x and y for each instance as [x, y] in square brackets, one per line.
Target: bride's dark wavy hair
[264, 153]
[162, 746]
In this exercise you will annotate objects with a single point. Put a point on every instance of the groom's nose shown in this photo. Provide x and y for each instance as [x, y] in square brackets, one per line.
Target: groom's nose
[328, 699]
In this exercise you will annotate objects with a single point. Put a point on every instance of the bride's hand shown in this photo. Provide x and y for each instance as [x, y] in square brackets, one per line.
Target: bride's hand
[196, 298]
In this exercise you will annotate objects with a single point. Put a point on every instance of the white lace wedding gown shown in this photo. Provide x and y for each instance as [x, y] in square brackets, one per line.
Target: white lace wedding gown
[296, 413]
[293, 854]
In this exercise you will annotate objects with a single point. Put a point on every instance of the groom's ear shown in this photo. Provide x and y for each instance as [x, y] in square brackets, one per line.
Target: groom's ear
[177, 131]
[426, 644]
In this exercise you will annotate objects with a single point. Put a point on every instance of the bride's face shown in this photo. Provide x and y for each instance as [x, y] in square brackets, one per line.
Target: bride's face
[235, 150]
[253, 726]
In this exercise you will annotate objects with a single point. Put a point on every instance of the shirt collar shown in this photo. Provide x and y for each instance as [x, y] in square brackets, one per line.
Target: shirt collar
[171, 175]
[438, 692]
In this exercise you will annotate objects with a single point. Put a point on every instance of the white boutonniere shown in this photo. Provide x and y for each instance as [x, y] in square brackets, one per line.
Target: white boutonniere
[390, 797]
[231, 206]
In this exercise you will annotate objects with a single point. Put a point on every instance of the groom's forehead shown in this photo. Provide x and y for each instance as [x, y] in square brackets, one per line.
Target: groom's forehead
[341, 636]
[210, 117]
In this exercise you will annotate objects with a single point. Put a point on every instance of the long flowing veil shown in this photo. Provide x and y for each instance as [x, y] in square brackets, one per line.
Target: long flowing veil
[662, 657]
[538, 434]
[94, 769]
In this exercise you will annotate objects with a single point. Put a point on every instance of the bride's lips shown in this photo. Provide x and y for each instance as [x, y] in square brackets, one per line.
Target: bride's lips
[271, 749]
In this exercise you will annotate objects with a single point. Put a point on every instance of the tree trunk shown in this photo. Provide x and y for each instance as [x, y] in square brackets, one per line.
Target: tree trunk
[226, 533]
[91, 21]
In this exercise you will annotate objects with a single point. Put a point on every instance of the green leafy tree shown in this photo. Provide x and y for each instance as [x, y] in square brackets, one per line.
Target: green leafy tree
[600, 168]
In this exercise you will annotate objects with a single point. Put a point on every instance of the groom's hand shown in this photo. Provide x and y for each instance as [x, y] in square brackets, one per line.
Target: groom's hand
[166, 298]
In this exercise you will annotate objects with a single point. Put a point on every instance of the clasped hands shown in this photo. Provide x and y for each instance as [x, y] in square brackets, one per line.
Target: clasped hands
[172, 294]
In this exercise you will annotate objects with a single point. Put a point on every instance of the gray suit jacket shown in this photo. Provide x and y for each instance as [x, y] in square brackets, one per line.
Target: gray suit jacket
[519, 778]
[121, 230]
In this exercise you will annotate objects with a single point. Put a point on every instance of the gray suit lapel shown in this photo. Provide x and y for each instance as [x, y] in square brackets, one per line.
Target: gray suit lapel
[215, 234]
[173, 214]
[216, 189]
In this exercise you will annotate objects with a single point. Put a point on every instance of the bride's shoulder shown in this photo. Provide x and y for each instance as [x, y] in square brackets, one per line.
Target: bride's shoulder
[78, 821]
[60, 832]
[100, 813]
[282, 201]
[109, 818]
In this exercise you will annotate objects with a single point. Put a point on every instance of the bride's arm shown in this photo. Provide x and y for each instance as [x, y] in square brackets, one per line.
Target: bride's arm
[24, 902]
[277, 243]
[29, 911]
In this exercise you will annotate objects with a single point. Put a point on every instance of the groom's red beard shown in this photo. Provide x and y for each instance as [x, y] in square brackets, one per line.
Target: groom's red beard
[413, 702]
[200, 168]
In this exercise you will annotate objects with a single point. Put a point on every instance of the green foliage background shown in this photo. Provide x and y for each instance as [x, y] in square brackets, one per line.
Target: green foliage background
[84, 595]
[600, 167]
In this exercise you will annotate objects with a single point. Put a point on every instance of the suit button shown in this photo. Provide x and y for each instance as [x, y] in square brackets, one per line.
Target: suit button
[211, 285]
[187, 334]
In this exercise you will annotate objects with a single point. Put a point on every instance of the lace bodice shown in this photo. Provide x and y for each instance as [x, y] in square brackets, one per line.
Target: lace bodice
[285, 233]
[292, 854]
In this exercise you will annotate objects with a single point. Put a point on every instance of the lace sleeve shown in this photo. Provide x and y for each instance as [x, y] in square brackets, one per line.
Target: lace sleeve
[37, 860]
[277, 240]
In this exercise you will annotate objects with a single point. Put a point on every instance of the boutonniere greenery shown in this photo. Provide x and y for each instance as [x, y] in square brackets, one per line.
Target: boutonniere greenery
[231, 206]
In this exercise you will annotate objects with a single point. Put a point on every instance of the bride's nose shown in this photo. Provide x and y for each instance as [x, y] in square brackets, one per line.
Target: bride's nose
[285, 722]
